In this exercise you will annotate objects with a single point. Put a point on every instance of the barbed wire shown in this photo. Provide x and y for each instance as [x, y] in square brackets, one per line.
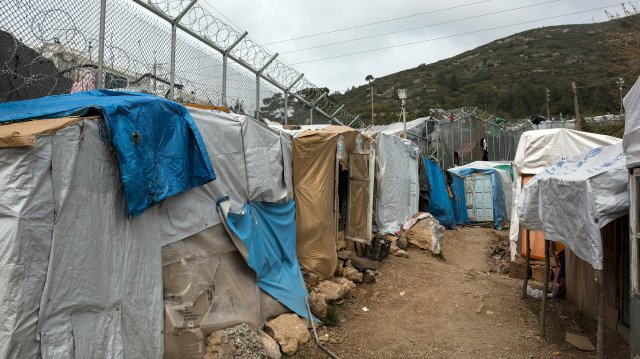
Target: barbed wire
[51, 46]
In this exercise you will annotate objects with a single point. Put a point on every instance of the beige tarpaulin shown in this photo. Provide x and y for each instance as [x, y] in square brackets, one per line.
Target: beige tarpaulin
[24, 133]
[314, 155]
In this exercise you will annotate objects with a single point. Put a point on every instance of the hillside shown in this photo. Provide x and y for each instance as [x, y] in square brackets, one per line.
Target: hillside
[508, 77]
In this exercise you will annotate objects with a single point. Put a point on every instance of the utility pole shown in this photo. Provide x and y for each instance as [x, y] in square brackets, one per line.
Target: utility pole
[575, 104]
[547, 98]
[620, 84]
[372, 114]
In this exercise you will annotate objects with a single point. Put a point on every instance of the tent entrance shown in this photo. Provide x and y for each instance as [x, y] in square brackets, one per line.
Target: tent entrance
[478, 191]
[360, 196]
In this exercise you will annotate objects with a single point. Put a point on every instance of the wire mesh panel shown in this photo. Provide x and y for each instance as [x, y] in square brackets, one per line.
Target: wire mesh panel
[53, 46]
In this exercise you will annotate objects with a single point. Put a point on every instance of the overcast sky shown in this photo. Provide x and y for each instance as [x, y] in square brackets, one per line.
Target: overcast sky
[270, 21]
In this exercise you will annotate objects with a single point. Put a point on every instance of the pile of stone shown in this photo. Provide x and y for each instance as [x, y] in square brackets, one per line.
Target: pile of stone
[499, 253]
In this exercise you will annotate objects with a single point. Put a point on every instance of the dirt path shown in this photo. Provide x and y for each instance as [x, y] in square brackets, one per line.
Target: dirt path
[426, 307]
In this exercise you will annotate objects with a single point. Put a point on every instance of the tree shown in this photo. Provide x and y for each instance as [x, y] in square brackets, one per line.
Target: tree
[369, 78]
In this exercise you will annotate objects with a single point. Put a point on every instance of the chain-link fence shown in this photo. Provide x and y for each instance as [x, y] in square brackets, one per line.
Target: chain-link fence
[171, 48]
[467, 134]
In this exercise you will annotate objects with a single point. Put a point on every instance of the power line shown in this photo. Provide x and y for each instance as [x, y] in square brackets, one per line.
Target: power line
[419, 27]
[377, 22]
[451, 36]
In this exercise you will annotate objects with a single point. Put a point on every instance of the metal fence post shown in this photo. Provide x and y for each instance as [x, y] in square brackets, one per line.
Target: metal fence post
[258, 75]
[286, 95]
[313, 106]
[225, 56]
[174, 28]
[101, 39]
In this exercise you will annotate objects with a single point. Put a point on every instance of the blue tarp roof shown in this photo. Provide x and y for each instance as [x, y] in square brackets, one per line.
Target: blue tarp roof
[159, 148]
[501, 198]
[269, 232]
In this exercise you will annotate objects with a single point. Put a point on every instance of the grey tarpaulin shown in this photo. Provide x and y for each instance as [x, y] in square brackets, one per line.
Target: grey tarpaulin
[79, 276]
[396, 168]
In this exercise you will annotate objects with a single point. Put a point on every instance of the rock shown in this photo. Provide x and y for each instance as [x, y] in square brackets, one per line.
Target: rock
[339, 268]
[344, 254]
[369, 276]
[480, 309]
[289, 331]
[504, 270]
[362, 264]
[353, 274]
[332, 291]
[236, 342]
[310, 278]
[393, 248]
[402, 243]
[270, 345]
[344, 282]
[581, 342]
[318, 304]
[402, 254]
[426, 234]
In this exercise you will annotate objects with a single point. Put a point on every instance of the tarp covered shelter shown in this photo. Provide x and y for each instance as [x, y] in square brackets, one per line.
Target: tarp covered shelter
[538, 150]
[316, 187]
[477, 175]
[80, 279]
[440, 200]
[573, 199]
[397, 192]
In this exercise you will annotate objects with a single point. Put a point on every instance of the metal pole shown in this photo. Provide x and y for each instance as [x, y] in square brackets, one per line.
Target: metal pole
[225, 56]
[527, 255]
[174, 27]
[575, 104]
[101, 39]
[372, 114]
[353, 121]
[471, 138]
[286, 109]
[258, 75]
[461, 153]
[313, 105]
[404, 119]
[453, 151]
[545, 289]
[600, 335]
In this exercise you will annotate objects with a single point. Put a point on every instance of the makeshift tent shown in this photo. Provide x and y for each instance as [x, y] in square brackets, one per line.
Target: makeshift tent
[160, 151]
[396, 182]
[416, 131]
[538, 150]
[631, 146]
[488, 192]
[81, 279]
[570, 201]
[325, 194]
[440, 205]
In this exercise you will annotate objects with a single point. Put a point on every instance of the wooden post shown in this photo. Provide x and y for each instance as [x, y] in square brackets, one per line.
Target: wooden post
[526, 264]
[545, 289]
[372, 114]
[600, 336]
[575, 104]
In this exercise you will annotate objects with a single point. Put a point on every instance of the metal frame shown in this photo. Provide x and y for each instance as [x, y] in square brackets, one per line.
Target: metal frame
[371, 154]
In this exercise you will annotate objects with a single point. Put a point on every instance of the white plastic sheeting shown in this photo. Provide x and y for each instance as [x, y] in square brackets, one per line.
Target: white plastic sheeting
[398, 127]
[396, 169]
[571, 200]
[540, 149]
[80, 277]
[631, 141]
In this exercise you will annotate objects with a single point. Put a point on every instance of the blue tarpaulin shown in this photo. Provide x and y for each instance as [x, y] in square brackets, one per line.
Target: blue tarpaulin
[501, 186]
[439, 200]
[269, 232]
[459, 200]
[159, 148]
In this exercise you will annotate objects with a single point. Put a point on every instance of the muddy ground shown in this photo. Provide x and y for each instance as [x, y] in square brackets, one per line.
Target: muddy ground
[456, 306]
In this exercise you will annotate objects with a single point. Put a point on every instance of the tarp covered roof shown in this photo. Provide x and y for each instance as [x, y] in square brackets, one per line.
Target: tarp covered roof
[540, 149]
[571, 200]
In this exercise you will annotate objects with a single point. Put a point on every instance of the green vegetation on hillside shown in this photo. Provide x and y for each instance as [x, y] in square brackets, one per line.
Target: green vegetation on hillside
[509, 76]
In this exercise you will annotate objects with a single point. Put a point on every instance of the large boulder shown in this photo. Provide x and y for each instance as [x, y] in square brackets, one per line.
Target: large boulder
[289, 331]
[318, 304]
[270, 345]
[345, 283]
[332, 291]
[427, 234]
[236, 342]
[352, 274]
